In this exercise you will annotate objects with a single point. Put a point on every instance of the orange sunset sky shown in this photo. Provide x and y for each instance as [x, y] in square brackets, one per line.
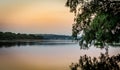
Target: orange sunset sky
[35, 16]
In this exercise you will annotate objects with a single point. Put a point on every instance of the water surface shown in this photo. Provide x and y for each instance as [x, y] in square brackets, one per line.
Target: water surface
[50, 55]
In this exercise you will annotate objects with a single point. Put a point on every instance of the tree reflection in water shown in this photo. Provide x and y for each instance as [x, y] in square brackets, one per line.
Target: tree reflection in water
[104, 62]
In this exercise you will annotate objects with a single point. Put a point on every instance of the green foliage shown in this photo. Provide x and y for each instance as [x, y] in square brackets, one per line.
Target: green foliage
[98, 19]
[13, 36]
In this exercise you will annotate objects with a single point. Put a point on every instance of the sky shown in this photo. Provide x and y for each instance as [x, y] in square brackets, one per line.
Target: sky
[35, 17]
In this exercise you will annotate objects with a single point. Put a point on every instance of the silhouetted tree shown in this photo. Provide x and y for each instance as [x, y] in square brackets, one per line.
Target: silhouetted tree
[102, 63]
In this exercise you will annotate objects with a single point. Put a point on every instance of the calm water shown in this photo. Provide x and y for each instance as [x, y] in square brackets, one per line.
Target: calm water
[46, 55]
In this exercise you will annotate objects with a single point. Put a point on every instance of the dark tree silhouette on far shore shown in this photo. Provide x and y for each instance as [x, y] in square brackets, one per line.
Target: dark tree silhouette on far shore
[18, 36]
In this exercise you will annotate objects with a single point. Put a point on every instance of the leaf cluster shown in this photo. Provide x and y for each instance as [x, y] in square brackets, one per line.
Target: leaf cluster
[98, 19]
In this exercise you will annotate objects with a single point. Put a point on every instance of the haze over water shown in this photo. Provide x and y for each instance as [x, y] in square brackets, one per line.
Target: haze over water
[40, 17]
[46, 57]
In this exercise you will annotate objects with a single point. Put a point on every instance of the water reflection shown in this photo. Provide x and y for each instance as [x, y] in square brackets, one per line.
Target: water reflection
[47, 57]
[10, 44]
[24, 43]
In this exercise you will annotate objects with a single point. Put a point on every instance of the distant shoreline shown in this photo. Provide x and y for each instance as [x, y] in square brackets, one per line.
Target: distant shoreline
[32, 40]
[9, 36]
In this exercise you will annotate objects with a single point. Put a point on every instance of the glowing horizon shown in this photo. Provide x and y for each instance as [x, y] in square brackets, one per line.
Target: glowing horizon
[36, 16]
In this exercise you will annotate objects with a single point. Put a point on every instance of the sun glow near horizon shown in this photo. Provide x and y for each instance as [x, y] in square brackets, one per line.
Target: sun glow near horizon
[38, 16]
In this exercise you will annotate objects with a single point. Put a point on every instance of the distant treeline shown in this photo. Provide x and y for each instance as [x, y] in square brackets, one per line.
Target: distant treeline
[56, 37]
[17, 36]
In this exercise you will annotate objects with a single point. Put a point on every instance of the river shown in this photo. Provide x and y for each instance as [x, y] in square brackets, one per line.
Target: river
[46, 55]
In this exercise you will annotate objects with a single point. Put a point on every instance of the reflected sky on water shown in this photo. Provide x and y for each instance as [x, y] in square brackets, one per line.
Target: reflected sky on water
[48, 57]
